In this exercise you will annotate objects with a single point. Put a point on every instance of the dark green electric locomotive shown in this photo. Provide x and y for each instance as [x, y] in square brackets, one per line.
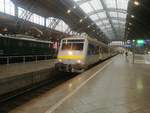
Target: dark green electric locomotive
[22, 46]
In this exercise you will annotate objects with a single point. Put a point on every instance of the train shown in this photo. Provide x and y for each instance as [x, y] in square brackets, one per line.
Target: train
[22, 45]
[77, 53]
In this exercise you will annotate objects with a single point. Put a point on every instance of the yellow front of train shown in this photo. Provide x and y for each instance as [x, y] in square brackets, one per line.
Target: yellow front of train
[71, 55]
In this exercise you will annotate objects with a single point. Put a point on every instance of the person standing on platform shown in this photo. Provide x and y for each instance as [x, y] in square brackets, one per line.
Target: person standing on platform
[126, 53]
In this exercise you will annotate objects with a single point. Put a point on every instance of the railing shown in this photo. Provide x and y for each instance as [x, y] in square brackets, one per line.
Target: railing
[24, 59]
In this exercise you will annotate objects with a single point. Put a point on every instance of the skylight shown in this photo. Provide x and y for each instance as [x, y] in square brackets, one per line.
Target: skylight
[106, 14]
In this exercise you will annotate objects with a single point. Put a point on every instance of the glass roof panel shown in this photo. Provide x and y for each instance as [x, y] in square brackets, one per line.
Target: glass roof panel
[105, 21]
[76, 0]
[99, 23]
[96, 4]
[86, 7]
[102, 15]
[122, 4]
[110, 3]
[94, 17]
[122, 15]
[115, 21]
[111, 14]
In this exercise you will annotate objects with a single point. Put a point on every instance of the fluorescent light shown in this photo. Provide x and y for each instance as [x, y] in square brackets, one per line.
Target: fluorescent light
[130, 23]
[68, 11]
[89, 26]
[74, 7]
[81, 20]
[85, 17]
[136, 3]
[132, 16]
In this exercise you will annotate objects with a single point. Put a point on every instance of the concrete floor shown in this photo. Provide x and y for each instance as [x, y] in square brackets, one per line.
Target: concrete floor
[11, 70]
[115, 86]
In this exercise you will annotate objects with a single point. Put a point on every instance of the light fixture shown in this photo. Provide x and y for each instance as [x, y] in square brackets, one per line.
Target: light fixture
[85, 17]
[130, 23]
[132, 16]
[89, 26]
[81, 20]
[136, 3]
[68, 11]
[74, 7]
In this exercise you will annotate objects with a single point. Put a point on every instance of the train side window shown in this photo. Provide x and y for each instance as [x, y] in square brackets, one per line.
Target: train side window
[5, 43]
[33, 44]
[30, 44]
[91, 49]
[20, 44]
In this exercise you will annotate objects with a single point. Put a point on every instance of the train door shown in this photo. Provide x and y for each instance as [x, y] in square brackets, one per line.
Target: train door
[100, 53]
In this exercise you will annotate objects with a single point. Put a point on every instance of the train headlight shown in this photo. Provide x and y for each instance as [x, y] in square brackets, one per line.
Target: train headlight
[60, 60]
[79, 61]
[70, 52]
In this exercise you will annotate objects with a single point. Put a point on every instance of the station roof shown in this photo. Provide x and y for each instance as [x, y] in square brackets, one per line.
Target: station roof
[102, 19]
[109, 15]
[138, 20]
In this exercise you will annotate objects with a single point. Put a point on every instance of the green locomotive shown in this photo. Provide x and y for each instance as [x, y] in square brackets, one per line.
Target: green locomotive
[22, 46]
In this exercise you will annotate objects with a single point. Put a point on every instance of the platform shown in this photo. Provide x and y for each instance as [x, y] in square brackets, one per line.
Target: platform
[21, 68]
[114, 86]
[23, 74]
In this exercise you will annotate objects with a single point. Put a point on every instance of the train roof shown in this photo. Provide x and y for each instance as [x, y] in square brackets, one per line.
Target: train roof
[24, 37]
[88, 38]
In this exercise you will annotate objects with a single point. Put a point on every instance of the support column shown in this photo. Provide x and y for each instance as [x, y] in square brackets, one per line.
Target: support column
[16, 10]
[44, 21]
[133, 51]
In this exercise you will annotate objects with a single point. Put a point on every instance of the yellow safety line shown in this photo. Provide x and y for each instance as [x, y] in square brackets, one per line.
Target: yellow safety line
[70, 57]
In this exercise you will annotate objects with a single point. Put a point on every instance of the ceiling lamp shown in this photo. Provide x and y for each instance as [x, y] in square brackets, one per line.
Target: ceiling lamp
[136, 3]
[81, 20]
[74, 7]
[89, 26]
[85, 17]
[132, 16]
[130, 23]
[68, 11]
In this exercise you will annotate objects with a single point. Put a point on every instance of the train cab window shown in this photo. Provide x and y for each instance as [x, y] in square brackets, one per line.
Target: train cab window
[77, 46]
[66, 46]
[72, 46]
[20, 43]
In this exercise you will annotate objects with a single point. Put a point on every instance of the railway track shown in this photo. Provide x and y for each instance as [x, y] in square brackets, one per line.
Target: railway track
[12, 100]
